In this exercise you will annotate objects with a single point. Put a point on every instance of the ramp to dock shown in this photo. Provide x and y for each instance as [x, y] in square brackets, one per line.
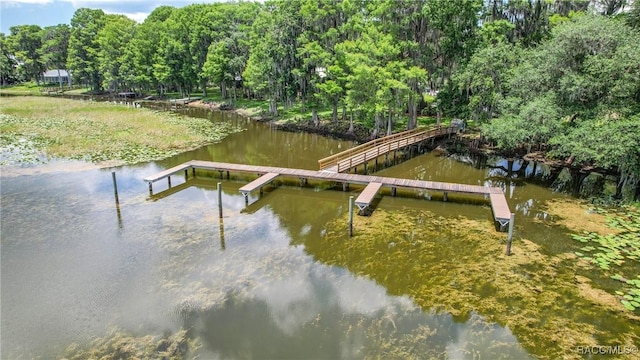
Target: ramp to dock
[361, 154]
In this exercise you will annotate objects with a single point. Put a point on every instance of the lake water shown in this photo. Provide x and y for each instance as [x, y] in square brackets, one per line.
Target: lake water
[262, 282]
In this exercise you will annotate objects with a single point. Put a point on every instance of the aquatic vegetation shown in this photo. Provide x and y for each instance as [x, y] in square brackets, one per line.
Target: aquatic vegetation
[611, 251]
[119, 345]
[35, 129]
[458, 266]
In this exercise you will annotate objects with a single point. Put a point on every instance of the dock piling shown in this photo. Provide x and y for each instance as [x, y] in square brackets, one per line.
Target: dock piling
[350, 216]
[220, 199]
[115, 186]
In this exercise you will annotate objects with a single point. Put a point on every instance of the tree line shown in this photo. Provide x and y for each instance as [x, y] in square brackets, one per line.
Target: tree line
[561, 75]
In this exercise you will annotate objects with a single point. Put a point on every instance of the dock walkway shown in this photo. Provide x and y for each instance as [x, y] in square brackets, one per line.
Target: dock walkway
[501, 212]
[372, 150]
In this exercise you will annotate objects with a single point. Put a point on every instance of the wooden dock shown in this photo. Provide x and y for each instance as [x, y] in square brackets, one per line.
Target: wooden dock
[258, 183]
[372, 150]
[366, 196]
[183, 101]
[373, 184]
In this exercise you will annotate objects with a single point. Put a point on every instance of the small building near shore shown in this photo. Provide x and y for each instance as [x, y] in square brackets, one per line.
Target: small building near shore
[56, 76]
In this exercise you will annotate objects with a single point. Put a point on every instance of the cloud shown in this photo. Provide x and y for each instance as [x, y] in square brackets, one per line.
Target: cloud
[18, 3]
[136, 16]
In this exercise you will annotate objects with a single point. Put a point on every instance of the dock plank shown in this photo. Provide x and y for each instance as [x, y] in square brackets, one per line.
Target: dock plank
[259, 182]
[168, 172]
[500, 207]
[367, 195]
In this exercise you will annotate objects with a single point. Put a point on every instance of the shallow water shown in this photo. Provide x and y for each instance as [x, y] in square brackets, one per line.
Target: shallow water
[261, 282]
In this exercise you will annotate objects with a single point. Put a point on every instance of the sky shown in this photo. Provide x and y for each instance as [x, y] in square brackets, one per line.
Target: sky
[54, 12]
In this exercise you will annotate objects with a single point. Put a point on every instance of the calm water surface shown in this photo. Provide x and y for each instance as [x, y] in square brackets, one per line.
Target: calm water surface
[74, 265]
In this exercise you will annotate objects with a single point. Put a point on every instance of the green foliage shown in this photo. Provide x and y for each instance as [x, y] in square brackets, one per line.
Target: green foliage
[574, 90]
[112, 40]
[84, 48]
[633, 17]
[8, 73]
[25, 42]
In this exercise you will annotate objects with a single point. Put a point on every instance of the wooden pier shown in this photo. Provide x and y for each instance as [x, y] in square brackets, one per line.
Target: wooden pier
[373, 184]
[372, 150]
[366, 196]
[182, 102]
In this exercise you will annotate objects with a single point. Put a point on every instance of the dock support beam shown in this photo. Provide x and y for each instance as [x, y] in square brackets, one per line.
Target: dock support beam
[444, 196]
[510, 236]
[345, 186]
[169, 180]
[150, 188]
[393, 191]
[186, 174]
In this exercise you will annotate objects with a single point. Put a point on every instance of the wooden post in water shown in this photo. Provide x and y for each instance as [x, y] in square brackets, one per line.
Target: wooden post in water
[222, 243]
[510, 236]
[350, 216]
[115, 192]
[115, 186]
[220, 199]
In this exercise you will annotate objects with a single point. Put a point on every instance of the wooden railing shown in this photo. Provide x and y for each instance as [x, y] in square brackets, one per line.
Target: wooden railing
[362, 153]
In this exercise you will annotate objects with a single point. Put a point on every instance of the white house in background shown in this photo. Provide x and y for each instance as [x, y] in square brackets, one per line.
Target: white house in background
[58, 76]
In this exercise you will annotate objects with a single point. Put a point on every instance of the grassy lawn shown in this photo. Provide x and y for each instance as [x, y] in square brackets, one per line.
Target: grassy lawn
[299, 113]
[32, 89]
[95, 131]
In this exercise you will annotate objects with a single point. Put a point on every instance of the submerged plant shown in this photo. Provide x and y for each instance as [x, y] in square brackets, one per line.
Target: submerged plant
[456, 265]
[118, 344]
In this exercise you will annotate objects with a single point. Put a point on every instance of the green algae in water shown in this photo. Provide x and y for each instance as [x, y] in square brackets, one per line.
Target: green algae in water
[118, 344]
[456, 265]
